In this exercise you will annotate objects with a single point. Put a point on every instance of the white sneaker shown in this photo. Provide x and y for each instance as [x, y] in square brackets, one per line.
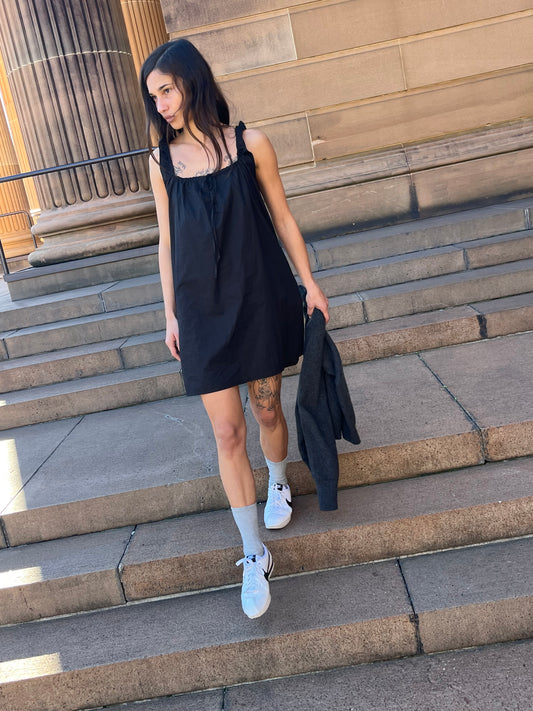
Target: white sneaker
[278, 508]
[255, 594]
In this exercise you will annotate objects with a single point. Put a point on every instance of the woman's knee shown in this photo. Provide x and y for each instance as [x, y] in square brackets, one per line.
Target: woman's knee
[230, 436]
[269, 418]
[266, 401]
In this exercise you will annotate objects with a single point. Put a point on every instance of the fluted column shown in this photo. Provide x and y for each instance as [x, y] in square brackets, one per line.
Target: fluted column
[18, 142]
[145, 26]
[14, 230]
[71, 72]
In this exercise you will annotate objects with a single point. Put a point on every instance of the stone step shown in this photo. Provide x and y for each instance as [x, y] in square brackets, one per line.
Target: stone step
[426, 263]
[84, 330]
[431, 294]
[114, 286]
[340, 617]
[492, 677]
[83, 361]
[404, 334]
[74, 303]
[390, 258]
[85, 301]
[91, 394]
[454, 228]
[448, 231]
[107, 268]
[444, 409]
[407, 297]
[382, 242]
[377, 522]
[434, 329]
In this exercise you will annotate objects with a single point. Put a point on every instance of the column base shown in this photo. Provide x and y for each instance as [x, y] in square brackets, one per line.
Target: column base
[95, 227]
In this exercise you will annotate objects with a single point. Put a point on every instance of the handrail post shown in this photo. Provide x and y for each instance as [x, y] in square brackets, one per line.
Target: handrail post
[3, 259]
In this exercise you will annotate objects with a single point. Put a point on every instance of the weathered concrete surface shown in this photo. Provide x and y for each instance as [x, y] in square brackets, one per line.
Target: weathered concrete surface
[24, 451]
[84, 488]
[390, 270]
[381, 521]
[130, 465]
[132, 292]
[498, 250]
[87, 395]
[60, 577]
[492, 678]
[423, 234]
[407, 423]
[347, 616]
[68, 364]
[493, 380]
[45, 309]
[407, 334]
[510, 315]
[78, 273]
[346, 310]
[473, 596]
[449, 290]
[86, 329]
[198, 701]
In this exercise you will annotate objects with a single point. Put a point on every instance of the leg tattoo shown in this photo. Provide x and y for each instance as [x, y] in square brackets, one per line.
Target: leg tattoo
[266, 392]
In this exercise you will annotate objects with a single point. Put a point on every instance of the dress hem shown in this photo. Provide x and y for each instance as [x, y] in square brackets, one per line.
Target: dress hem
[241, 381]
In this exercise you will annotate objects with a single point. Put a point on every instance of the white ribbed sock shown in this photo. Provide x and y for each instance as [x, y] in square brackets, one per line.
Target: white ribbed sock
[277, 472]
[246, 519]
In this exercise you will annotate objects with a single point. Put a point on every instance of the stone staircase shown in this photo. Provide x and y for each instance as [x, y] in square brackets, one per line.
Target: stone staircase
[117, 552]
[99, 347]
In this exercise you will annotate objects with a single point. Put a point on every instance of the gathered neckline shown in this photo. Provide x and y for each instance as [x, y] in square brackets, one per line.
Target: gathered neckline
[205, 175]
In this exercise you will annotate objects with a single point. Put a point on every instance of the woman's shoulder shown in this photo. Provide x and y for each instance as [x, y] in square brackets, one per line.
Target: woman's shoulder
[258, 143]
[154, 164]
[255, 138]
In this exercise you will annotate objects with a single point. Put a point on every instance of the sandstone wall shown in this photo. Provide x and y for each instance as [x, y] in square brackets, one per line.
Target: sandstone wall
[333, 78]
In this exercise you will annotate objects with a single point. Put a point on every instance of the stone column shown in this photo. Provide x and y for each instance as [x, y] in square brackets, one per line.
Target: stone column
[145, 26]
[14, 230]
[18, 143]
[71, 72]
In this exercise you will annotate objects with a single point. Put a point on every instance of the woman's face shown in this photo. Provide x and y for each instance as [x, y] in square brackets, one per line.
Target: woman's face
[167, 98]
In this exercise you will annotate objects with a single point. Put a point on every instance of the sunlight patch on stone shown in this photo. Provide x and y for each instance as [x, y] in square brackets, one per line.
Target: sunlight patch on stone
[10, 476]
[30, 667]
[22, 576]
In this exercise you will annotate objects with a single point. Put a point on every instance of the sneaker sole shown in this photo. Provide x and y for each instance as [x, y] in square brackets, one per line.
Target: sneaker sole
[282, 524]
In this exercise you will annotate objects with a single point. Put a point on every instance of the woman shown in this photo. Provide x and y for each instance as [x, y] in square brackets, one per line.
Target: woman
[233, 309]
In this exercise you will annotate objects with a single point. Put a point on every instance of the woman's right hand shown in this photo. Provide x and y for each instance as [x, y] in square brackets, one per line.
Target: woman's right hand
[172, 338]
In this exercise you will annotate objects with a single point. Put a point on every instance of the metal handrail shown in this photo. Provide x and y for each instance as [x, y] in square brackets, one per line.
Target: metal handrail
[70, 166]
[56, 169]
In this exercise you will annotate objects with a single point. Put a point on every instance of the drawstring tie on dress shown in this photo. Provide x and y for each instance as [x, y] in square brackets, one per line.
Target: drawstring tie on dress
[210, 182]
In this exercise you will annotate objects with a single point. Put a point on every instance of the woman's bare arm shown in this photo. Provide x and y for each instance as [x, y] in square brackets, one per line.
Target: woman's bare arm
[165, 261]
[269, 180]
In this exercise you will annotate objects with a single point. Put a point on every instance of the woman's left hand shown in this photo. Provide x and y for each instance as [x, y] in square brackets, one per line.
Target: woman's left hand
[316, 299]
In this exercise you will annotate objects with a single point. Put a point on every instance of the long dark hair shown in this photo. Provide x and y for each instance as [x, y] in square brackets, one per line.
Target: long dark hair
[203, 101]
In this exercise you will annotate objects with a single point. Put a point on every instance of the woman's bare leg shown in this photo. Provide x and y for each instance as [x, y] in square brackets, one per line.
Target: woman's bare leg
[265, 401]
[266, 406]
[225, 411]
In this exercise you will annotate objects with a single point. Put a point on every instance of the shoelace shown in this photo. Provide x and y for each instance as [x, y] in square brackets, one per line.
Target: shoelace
[253, 572]
[277, 498]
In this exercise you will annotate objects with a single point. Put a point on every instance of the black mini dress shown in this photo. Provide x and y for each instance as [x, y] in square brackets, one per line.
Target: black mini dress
[237, 303]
